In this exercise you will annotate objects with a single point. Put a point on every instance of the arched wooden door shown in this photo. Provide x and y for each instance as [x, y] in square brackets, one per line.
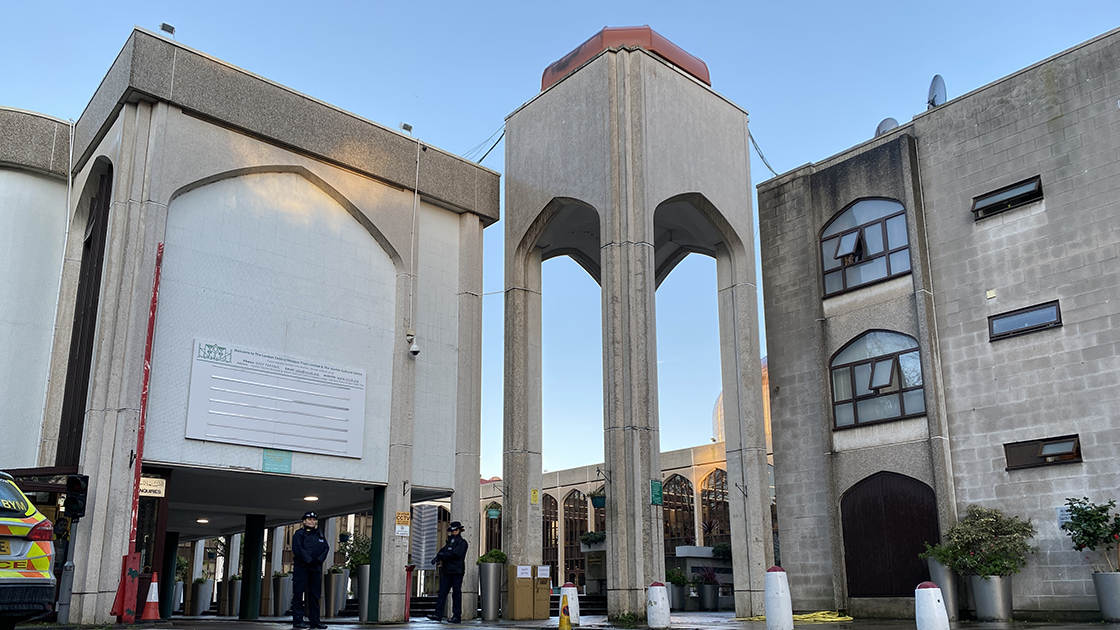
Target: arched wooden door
[887, 518]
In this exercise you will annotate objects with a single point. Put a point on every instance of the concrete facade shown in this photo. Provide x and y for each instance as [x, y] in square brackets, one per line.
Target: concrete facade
[290, 227]
[1058, 120]
[627, 165]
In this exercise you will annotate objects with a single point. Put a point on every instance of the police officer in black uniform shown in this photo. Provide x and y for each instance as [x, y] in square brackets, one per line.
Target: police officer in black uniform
[451, 574]
[309, 550]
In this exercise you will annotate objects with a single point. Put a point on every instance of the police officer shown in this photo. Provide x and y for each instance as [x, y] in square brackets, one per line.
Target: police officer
[451, 575]
[309, 550]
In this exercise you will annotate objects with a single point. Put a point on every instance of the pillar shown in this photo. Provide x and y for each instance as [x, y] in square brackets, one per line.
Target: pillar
[233, 556]
[167, 574]
[748, 490]
[251, 567]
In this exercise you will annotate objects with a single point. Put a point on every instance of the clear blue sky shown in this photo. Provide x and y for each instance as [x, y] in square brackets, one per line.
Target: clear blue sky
[817, 77]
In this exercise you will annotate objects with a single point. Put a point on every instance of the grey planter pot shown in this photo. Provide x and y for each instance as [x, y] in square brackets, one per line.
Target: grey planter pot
[281, 596]
[709, 596]
[334, 590]
[993, 597]
[678, 597]
[1108, 594]
[234, 598]
[363, 593]
[490, 585]
[946, 580]
[177, 596]
[201, 594]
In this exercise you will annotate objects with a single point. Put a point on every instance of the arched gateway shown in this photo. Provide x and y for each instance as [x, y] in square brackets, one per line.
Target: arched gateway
[627, 162]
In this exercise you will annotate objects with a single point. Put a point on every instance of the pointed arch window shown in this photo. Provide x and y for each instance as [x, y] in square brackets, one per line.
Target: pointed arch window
[875, 378]
[679, 513]
[865, 243]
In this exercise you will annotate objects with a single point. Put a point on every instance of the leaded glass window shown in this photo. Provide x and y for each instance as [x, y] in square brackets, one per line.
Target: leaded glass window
[679, 513]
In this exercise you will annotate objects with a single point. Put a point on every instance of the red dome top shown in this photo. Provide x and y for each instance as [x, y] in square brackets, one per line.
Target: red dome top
[617, 37]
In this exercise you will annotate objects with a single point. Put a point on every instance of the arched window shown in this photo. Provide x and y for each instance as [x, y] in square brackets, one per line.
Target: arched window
[551, 533]
[715, 515]
[866, 242]
[494, 527]
[877, 377]
[575, 525]
[679, 513]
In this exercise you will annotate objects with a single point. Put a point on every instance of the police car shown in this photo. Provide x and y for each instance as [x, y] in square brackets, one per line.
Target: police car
[26, 552]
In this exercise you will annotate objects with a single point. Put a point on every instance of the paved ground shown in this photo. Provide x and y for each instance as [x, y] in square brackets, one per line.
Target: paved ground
[682, 621]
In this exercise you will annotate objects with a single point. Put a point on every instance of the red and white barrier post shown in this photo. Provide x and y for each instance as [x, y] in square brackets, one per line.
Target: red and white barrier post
[779, 606]
[657, 606]
[929, 607]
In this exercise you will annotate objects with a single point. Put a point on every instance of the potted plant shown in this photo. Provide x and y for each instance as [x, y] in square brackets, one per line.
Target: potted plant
[181, 567]
[234, 593]
[1097, 528]
[490, 570]
[356, 549]
[707, 586]
[990, 547]
[281, 592]
[678, 588]
[202, 591]
[721, 551]
[335, 587]
[599, 497]
[494, 510]
[593, 541]
[939, 558]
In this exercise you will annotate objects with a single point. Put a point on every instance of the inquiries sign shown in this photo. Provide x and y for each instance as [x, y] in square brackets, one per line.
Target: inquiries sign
[240, 396]
[153, 487]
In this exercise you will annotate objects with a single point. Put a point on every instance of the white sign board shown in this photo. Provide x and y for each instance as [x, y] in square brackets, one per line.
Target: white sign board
[524, 571]
[252, 398]
[153, 487]
[544, 570]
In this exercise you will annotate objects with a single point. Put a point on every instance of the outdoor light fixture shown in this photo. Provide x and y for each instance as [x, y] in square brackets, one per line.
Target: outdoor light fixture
[203, 521]
[167, 28]
[310, 498]
[407, 128]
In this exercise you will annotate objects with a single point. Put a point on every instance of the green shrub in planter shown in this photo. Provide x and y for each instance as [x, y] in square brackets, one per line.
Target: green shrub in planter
[592, 538]
[236, 577]
[276, 574]
[676, 577]
[987, 542]
[1094, 527]
[200, 580]
[336, 569]
[722, 551]
[494, 556]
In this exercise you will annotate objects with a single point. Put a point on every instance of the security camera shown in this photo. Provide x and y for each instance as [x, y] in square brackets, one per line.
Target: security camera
[414, 350]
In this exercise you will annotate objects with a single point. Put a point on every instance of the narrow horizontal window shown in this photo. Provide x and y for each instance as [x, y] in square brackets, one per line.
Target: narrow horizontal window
[1044, 452]
[1024, 320]
[1008, 197]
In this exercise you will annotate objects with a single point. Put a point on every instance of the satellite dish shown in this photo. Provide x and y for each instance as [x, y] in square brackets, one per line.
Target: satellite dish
[885, 126]
[936, 92]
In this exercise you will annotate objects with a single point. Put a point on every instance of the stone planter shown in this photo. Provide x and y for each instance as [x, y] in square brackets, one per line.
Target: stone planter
[201, 594]
[599, 546]
[693, 551]
[709, 596]
[363, 593]
[490, 587]
[334, 591]
[234, 598]
[282, 596]
[1108, 594]
[678, 597]
[993, 597]
[946, 580]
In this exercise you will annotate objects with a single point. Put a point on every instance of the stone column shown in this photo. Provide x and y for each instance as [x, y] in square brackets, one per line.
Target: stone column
[468, 411]
[389, 584]
[233, 556]
[521, 455]
[251, 567]
[748, 492]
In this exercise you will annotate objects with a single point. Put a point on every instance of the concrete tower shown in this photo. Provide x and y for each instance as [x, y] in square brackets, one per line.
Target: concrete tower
[628, 161]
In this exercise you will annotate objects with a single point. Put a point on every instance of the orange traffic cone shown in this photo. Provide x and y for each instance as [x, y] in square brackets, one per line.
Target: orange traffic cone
[151, 607]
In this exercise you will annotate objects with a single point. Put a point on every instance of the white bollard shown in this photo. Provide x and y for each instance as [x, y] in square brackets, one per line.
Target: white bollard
[572, 592]
[779, 607]
[657, 606]
[929, 607]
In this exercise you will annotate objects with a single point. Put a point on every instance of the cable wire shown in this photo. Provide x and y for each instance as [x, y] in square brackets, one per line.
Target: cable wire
[492, 148]
[759, 151]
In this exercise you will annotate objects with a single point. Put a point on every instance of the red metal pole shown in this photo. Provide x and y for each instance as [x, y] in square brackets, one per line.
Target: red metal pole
[408, 592]
[131, 562]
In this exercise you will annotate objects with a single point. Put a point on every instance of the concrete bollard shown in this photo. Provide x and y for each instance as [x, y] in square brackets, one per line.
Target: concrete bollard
[657, 606]
[929, 607]
[779, 606]
[572, 592]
